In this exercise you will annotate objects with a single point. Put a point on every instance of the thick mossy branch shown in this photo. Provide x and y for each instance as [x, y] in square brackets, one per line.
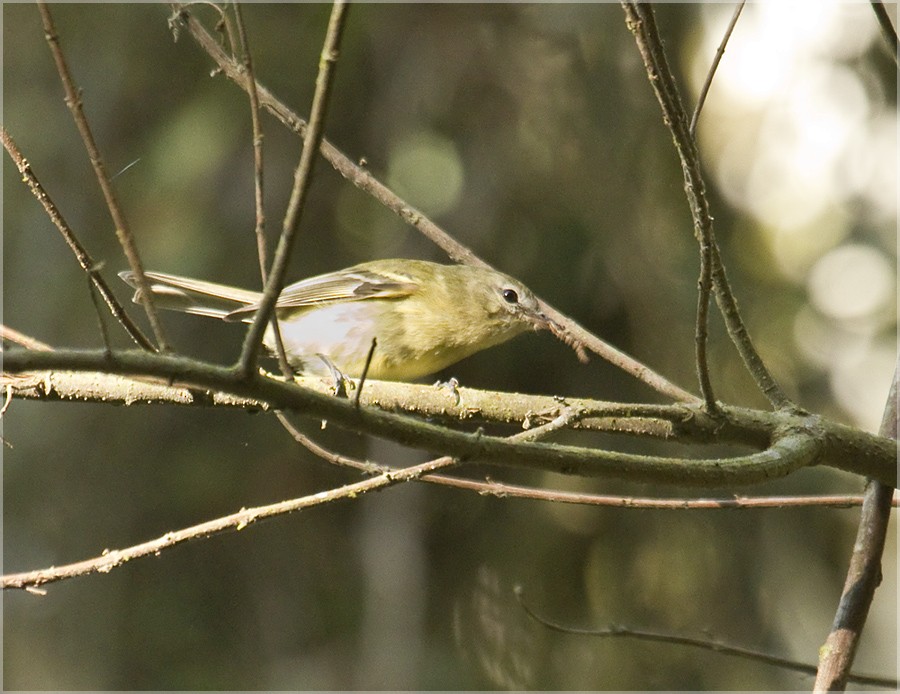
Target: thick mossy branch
[790, 441]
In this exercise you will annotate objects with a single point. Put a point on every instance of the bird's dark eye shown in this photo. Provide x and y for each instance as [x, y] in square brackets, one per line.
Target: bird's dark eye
[510, 296]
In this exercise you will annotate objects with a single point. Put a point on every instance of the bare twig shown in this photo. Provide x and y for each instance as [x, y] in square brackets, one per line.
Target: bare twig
[101, 324]
[701, 329]
[84, 258]
[110, 559]
[247, 60]
[641, 21]
[621, 631]
[704, 286]
[366, 182]
[720, 51]
[561, 421]
[667, 422]
[123, 232]
[365, 372]
[863, 575]
[8, 334]
[259, 199]
[69, 386]
[503, 490]
[302, 178]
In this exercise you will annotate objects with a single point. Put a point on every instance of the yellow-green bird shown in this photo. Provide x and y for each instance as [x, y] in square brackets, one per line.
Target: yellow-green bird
[425, 316]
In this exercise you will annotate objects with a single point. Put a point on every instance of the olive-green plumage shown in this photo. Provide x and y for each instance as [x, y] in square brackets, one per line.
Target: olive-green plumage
[425, 316]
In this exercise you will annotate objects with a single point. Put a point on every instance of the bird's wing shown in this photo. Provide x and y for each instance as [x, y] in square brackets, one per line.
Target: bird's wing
[352, 284]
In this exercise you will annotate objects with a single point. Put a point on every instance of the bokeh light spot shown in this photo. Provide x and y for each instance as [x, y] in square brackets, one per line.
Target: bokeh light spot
[426, 169]
[851, 282]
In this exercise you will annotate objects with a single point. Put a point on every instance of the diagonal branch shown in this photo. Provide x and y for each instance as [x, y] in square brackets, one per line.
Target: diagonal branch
[123, 231]
[84, 258]
[8, 334]
[863, 575]
[110, 559]
[707, 83]
[259, 199]
[887, 29]
[302, 177]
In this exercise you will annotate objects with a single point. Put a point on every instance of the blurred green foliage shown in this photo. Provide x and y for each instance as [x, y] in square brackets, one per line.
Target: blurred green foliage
[531, 134]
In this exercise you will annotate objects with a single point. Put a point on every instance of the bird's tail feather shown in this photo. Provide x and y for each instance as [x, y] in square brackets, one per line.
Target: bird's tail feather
[192, 296]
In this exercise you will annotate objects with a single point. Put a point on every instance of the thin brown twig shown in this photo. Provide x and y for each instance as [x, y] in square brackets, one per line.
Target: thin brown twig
[81, 255]
[864, 573]
[562, 420]
[621, 631]
[258, 187]
[247, 60]
[365, 181]
[641, 21]
[707, 83]
[675, 117]
[123, 231]
[504, 490]
[365, 372]
[704, 285]
[101, 324]
[302, 178]
[223, 26]
[8, 334]
[110, 559]
[701, 330]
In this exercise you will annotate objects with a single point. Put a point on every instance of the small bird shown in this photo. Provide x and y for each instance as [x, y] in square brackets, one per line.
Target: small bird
[425, 316]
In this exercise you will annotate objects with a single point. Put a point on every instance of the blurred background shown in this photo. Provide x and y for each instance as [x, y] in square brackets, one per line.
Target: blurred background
[529, 132]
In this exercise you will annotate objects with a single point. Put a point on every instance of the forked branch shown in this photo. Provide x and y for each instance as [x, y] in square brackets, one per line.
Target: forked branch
[641, 20]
